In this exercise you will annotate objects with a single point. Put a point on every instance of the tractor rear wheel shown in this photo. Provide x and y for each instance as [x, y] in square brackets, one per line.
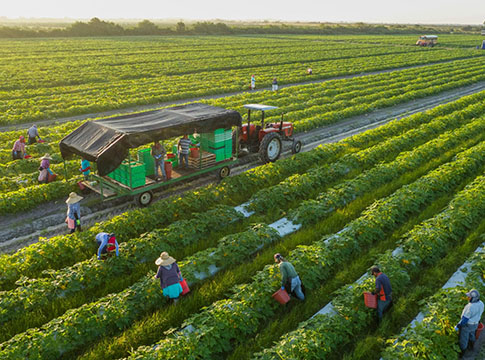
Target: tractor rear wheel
[270, 147]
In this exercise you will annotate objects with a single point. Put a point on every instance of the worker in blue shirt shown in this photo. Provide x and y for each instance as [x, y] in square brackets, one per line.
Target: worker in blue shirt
[107, 244]
[85, 169]
[470, 318]
[383, 291]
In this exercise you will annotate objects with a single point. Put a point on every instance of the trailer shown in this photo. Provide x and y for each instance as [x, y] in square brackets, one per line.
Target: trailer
[107, 143]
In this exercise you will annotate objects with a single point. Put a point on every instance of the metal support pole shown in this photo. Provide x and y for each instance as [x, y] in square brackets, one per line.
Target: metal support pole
[65, 170]
[129, 167]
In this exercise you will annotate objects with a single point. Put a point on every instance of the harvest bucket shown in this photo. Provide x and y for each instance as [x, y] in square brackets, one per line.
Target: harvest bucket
[479, 330]
[27, 156]
[194, 152]
[170, 155]
[185, 287]
[281, 296]
[168, 169]
[81, 185]
[51, 177]
[41, 141]
[370, 300]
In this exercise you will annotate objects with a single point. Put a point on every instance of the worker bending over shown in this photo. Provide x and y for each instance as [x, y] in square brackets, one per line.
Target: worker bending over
[107, 244]
[383, 291]
[289, 277]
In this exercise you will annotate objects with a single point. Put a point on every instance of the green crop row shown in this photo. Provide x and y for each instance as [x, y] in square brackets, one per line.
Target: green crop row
[211, 331]
[423, 245]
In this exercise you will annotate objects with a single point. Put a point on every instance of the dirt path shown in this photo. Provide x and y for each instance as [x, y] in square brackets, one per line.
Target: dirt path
[168, 103]
[48, 219]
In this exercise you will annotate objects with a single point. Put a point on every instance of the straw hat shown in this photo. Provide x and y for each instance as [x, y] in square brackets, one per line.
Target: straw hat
[164, 259]
[73, 198]
[46, 156]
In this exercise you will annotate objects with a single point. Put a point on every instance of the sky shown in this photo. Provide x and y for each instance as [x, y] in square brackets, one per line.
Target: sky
[373, 11]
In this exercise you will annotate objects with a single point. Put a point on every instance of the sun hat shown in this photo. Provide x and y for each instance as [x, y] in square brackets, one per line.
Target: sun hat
[474, 294]
[46, 156]
[164, 259]
[73, 198]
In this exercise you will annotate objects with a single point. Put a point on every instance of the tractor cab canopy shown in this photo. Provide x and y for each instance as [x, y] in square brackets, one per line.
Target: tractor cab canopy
[428, 37]
[107, 141]
[259, 107]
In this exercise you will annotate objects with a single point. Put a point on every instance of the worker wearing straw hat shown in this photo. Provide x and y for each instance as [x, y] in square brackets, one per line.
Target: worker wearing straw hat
[169, 275]
[73, 218]
[45, 170]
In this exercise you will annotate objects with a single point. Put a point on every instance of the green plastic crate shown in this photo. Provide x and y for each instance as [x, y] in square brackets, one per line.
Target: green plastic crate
[220, 154]
[145, 157]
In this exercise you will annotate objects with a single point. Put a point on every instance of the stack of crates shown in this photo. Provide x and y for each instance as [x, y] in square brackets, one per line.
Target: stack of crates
[145, 157]
[122, 174]
[219, 143]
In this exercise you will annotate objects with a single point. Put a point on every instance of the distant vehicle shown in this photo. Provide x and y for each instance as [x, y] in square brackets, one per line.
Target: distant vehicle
[427, 40]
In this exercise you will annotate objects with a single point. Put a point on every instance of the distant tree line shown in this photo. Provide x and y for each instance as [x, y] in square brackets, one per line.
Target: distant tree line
[97, 27]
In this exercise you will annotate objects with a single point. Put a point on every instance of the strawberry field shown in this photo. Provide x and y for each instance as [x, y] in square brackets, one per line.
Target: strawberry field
[408, 196]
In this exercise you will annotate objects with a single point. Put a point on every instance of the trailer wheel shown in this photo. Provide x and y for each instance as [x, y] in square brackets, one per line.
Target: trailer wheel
[224, 172]
[296, 147]
[144, 199]
[270, 148]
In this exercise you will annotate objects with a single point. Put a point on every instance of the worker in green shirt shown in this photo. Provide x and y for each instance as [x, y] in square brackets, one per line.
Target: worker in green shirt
[289, 277]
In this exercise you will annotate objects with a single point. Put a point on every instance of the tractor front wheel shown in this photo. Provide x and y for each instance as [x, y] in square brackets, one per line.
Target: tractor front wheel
[296, 147]
[270, 148]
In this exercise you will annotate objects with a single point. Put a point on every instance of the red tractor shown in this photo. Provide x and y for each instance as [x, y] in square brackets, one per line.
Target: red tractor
[265, 138]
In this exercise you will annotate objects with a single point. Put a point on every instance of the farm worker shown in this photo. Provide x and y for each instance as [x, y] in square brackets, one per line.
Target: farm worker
[274, 85]
[253, 82]
[73, 218]
[289, 278]
[383, 291]
[309, 71]
[18, 150]
[470, 317]
[184, 148]
[107, 244]
[44, 169]
[158, 153]
[33, 134]
[85, 168]
[169, 275]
